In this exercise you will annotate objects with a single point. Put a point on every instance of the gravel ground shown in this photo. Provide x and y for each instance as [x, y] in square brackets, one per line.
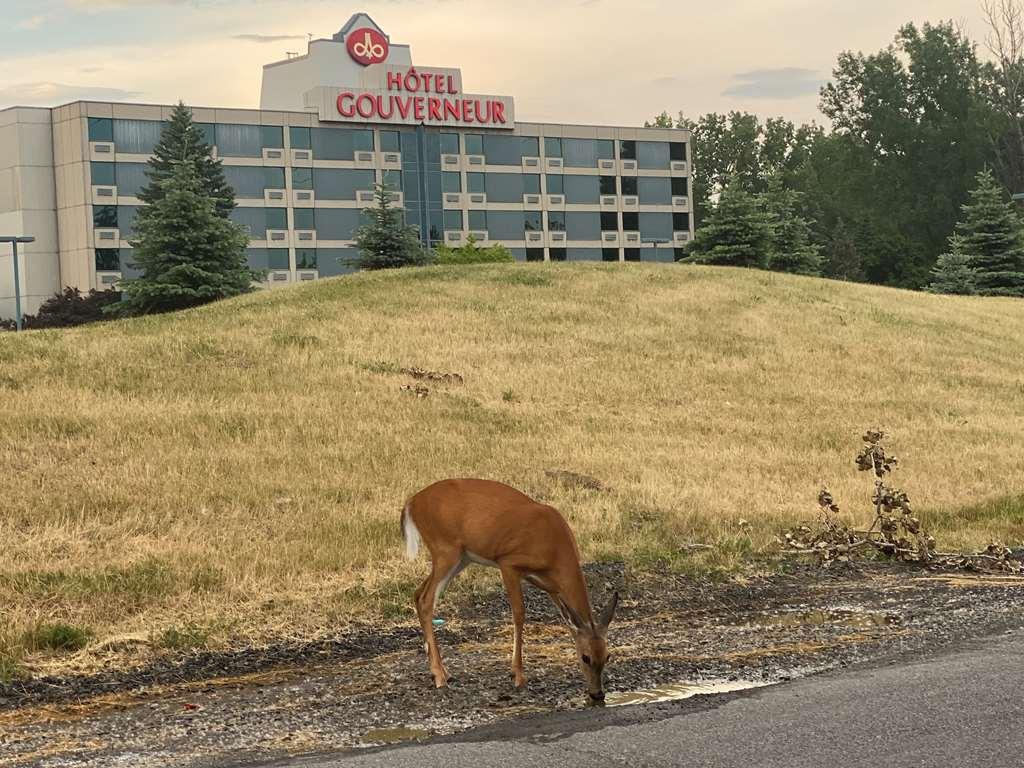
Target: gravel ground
[372, 686]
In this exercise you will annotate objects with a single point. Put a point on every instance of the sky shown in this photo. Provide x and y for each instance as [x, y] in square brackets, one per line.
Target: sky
[604, 62]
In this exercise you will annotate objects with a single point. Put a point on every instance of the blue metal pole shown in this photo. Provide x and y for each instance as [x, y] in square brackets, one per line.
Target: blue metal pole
[17, 288]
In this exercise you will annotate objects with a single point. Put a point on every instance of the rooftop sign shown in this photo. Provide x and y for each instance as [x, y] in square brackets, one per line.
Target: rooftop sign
[376, 82]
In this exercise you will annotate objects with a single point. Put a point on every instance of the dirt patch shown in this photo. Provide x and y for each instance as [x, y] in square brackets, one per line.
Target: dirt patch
[373, 684]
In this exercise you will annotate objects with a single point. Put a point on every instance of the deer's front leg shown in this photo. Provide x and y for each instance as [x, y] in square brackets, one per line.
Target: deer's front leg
[514, 588]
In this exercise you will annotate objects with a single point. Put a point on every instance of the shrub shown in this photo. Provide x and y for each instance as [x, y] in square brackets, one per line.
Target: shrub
[67, 309]
[471, 253]
[57, 637]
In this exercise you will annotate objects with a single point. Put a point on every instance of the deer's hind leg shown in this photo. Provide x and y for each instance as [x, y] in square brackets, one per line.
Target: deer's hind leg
[445, 566]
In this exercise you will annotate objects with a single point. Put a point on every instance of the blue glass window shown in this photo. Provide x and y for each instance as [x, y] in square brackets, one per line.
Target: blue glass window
[474, 144]
[101, 129]
[137, 136]
[131, 178]
[654, 190]
[102, 174]
[300, 137]
[652, 155]
[506, 225]
[449, 144]
[337, 223]
[583, 225]
[341, 183]
[239, 140]
[303, 218]
[581, 189]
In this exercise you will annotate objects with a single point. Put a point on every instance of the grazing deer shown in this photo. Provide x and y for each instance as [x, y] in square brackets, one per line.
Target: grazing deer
[489, 523]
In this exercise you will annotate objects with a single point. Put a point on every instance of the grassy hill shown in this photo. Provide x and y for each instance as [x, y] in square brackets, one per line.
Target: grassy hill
[239, 469]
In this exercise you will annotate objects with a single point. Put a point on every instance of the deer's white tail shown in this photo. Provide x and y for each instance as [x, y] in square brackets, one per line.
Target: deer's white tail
[411, 535]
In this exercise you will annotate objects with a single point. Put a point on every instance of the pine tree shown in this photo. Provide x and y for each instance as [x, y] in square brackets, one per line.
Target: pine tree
[843, 260]
[181, 140]
[737, 232]
[991, 233]
[187, 252]
[953, 272]
[791, 247]
[385, 241]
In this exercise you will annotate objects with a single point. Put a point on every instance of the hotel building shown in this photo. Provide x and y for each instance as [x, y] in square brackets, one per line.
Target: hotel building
[351, 113]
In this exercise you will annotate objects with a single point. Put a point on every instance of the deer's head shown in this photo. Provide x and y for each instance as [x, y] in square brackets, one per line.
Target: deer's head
[591, 644]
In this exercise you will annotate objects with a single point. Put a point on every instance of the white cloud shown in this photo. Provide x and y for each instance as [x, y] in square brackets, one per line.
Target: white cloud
[33, 22]
[254, 38]
[781, 83]
[49, 94]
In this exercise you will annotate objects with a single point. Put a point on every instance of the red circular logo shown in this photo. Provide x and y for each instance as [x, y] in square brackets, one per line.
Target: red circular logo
[367, 46]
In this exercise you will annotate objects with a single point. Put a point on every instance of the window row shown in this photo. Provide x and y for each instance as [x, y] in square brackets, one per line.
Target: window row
[341, 223]
[233, 140]
[142, 136]
[250, 182]
[325, 259]
[339, 261]
[499, 149]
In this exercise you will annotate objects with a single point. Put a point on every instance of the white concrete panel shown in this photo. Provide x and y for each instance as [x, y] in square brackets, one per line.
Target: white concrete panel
[36, 188]
[203, 115]
[239, 116]
[138, 112]
[9, 148]
[7, 190]
[95, 109]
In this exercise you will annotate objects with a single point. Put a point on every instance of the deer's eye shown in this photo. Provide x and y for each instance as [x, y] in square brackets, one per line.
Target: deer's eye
[586, 659]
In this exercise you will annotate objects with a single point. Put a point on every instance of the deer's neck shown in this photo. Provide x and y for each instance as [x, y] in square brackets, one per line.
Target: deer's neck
[573, 590]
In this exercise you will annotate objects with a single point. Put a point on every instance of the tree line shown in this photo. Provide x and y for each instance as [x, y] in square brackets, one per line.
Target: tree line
[925, 148]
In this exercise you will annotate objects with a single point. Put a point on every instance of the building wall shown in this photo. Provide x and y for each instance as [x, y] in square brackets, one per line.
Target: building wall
[545, 191]
[27, 207]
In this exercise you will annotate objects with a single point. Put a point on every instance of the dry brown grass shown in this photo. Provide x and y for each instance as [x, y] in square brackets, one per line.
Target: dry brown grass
[241, 467]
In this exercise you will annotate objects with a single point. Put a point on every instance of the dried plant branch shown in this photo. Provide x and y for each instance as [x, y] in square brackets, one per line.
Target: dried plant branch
[894, 533]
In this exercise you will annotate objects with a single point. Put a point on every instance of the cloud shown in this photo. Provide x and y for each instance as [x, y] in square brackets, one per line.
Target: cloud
[267, 38]
[669, 80]
[33, 22]
[48, 94]
[783, 83]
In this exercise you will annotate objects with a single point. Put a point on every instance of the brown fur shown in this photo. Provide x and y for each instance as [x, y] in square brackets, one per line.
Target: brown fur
[491, 521]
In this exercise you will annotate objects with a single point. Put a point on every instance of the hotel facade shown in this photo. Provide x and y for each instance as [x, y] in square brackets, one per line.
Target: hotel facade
[351, 113]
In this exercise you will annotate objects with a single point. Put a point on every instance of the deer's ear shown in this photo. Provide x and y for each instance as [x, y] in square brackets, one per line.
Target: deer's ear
[608, 613]
[570, 617]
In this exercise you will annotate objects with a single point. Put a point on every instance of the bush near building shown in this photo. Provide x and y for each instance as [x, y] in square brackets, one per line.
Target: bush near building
[472, 253]
[68, 308]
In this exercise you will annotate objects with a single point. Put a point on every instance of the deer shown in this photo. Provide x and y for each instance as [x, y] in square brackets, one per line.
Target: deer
[483, 522]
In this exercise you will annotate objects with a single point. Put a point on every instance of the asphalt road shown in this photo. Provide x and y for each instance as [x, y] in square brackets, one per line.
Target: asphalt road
[964, 707]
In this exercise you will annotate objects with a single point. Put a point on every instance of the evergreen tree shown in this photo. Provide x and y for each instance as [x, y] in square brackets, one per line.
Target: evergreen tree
[386, 241]
[953, 272]
[182, 140]
[791, 247]
[187, 252]
[843, 260]
[737, 232]
[991, 234]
